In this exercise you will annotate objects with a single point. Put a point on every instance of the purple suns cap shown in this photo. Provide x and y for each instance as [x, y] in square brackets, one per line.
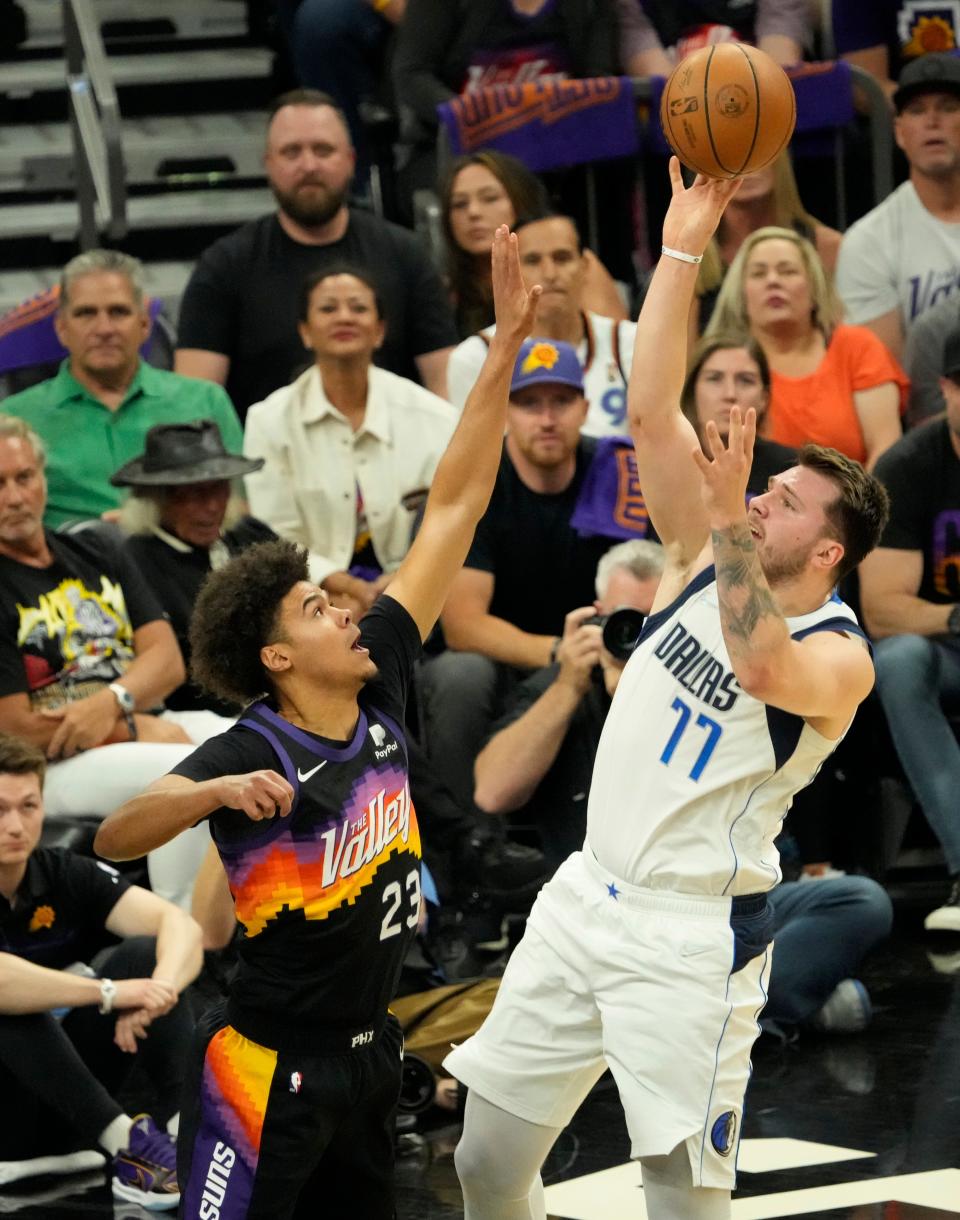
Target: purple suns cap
[546, 362]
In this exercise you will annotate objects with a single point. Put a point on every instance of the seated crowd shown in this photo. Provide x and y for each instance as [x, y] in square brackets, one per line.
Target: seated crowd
[323, 363]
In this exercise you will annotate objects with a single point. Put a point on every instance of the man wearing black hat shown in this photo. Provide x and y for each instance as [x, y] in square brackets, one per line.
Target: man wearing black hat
[183, 524]
[910, 595]
[904, 255]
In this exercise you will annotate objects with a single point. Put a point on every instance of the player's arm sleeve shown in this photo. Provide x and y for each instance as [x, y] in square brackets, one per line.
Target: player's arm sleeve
[236, 752]
[208, 308]
[864, 279]
[393, 638]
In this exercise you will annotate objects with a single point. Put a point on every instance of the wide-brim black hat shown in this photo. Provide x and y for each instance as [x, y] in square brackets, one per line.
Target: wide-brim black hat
[179, 454]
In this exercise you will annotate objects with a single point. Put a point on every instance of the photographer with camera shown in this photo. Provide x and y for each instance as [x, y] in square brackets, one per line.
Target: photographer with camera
[540, 752]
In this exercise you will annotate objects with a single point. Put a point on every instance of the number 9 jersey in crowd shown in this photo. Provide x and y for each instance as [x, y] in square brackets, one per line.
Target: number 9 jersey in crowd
[693, 777]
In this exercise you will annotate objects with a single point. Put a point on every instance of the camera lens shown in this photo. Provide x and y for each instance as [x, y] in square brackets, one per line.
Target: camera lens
[621, 632]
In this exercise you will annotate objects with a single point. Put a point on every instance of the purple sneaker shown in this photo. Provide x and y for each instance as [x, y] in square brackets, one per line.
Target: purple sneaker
[145, 1172]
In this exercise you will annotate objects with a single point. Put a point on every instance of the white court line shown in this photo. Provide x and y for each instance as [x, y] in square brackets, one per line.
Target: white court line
[617, 1194]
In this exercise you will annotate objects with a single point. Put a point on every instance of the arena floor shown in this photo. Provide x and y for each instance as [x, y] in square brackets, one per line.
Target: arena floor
[850, 1128]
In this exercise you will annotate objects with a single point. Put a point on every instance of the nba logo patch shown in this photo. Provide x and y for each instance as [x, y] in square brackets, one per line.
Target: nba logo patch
[296, 1081]
[722, 1133]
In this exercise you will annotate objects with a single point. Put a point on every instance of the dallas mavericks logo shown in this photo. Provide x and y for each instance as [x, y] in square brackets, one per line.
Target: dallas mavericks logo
[722, 1133]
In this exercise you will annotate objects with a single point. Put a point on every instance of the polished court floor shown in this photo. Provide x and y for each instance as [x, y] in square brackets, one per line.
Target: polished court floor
[850, 1128]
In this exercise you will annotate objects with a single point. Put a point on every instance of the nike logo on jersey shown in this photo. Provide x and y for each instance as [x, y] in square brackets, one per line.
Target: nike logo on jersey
[302, 776]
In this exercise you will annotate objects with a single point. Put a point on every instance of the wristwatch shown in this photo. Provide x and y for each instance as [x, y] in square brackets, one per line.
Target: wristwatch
[953, 621]
[108, 993]
[123, 697]
[127, 704]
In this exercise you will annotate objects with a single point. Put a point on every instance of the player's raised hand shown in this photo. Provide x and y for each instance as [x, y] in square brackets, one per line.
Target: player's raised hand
[513, 303]
[258, 794]
[727, 468]
[695, 211]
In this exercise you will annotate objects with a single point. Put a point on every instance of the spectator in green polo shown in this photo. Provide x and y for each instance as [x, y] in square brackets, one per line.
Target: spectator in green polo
[94, 415]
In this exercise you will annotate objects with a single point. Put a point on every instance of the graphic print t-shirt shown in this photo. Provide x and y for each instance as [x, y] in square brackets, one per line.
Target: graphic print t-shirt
[67, 630]
[329, 896]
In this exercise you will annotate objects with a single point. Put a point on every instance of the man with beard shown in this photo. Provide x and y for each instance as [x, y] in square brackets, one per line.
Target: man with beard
[527, 568]
[238, 318]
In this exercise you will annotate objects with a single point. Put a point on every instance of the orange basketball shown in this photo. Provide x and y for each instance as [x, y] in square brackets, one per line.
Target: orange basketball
[727, 109]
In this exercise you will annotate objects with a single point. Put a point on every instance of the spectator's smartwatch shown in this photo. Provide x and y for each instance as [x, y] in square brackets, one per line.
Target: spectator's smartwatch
[953, 621]
[127, 705]
[108, 993]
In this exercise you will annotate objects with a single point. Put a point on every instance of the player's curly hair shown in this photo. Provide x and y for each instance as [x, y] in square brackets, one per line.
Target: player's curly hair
[236, 613]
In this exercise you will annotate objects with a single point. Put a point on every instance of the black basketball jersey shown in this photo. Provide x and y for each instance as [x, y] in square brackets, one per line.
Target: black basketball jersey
[329, 896]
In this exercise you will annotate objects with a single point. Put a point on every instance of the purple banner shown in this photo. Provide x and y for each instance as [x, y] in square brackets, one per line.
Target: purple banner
[549, 124]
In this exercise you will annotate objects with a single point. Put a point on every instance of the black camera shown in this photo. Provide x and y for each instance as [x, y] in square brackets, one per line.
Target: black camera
[621, 630]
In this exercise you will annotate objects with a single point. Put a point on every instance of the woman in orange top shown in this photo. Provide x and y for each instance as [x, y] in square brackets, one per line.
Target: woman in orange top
[833, 384]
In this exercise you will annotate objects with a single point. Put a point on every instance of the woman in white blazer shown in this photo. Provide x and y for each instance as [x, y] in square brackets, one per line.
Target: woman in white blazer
[350, 449]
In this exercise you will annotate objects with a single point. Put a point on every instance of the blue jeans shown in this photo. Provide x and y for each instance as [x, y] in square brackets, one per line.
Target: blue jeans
[918, 677]
[822, 931]
[336, 46]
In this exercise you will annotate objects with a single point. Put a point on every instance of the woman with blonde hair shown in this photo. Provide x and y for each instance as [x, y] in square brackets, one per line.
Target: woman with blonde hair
[832, 384]
[768, 197]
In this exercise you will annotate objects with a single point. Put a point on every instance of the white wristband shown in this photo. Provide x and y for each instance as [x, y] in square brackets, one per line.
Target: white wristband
[681, 255]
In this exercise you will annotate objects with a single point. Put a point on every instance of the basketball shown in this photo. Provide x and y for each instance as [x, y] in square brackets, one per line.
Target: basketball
[727, 109]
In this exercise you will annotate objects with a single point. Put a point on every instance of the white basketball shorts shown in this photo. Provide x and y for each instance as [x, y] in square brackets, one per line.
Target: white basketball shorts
[640, 981]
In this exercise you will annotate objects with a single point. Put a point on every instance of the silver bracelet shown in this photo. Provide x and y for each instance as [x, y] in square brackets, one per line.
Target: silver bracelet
[681, 255]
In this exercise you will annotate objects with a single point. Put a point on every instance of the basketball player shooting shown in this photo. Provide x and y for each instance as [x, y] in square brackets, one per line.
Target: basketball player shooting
[296, 1078]
[649, 950]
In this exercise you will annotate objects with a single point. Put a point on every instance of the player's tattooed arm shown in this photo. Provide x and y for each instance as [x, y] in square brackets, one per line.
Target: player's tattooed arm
[746, 603]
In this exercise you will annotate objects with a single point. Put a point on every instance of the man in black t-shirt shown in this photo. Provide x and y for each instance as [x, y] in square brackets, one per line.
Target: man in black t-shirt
[526, 569]
[238, 317]
[69, 1033]
[910, 594]
[296, 1078]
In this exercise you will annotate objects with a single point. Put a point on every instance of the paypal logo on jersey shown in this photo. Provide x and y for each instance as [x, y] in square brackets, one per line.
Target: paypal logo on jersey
[696, 668]
[379, 735]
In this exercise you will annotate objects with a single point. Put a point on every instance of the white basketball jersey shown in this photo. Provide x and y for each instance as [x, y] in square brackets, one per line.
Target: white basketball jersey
[693, 777]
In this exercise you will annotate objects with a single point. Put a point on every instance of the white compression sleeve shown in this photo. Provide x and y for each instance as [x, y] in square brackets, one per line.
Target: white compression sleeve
[498, 1160]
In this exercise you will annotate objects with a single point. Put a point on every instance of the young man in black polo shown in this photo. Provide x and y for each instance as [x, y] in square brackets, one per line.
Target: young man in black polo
[297, 1079]
[69, 1033]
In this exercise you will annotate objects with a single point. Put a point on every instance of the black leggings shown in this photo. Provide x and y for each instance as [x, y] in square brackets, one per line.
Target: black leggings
[57, 1077]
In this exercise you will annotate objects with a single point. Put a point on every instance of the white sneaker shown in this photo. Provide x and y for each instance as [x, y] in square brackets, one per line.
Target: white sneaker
[847, 1009]
[946, 918]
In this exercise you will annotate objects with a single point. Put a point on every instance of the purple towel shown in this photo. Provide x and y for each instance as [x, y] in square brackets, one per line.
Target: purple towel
[611, 503]
[546, 124]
